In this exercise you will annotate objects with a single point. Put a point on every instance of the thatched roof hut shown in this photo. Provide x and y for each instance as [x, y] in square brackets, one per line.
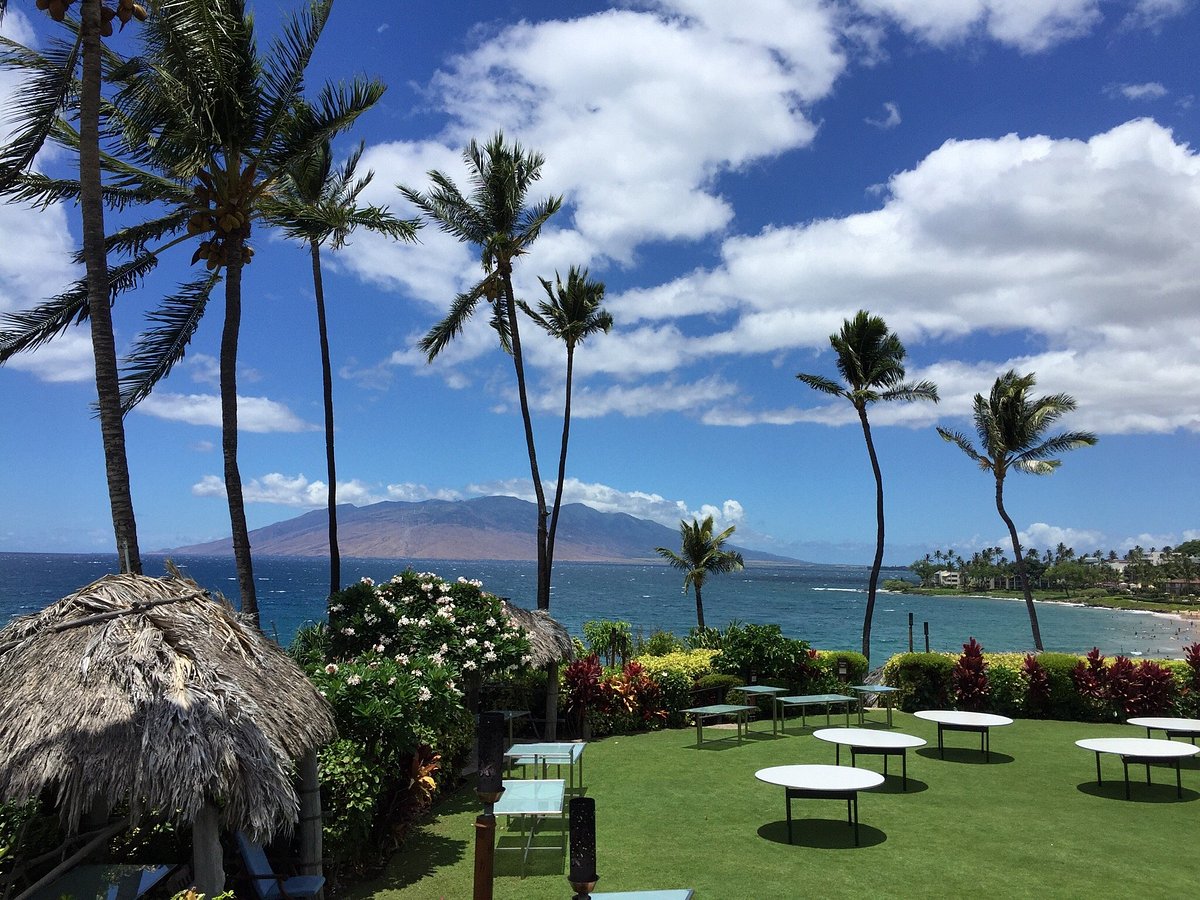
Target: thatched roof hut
[148, 692]
[548, 640]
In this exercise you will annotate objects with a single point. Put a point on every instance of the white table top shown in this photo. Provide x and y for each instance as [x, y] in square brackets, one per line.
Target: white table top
[1167, 723]
[821, 778]
[961, 717]
[1138, 747]
[868, 738]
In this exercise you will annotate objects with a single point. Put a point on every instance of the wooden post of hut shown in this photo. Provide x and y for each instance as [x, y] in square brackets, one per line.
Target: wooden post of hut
[310, 815]
[208, 860]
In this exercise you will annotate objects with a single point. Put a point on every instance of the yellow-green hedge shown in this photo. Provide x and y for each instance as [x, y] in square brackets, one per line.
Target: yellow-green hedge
[692, 663]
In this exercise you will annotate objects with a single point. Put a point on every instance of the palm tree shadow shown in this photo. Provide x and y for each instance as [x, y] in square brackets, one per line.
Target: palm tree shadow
[822, 834]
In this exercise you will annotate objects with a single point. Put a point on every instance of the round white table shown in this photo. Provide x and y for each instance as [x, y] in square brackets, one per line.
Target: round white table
[959, 720]
[1140, 750]
[822, 783]
[869, 742]
[1188, 728]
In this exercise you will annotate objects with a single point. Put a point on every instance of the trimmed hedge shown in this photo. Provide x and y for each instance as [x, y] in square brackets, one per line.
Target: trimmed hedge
[922, 679]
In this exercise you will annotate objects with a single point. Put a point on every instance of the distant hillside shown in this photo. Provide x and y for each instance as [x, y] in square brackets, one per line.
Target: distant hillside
[482, 528]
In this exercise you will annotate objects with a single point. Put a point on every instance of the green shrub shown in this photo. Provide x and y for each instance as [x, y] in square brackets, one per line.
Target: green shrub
[922, 680]
[857, 666]
[351, 789]
[719, 684]
[676, 695]
[761, 653]
[703, 639]
[660, 643]
[1065, 701]
[612, 640]
[1008, 686]
[691, 663]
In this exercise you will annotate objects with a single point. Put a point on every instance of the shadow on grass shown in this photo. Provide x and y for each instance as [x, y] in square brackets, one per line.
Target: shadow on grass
[822, 834]
[969, 755]
[894, 784]
[547, 856]
[426, 851]
[1139, 792]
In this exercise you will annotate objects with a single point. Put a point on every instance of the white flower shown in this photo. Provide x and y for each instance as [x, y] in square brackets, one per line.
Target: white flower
[426, 587]
[444, 648]
[424, 694]
[331, 669]
[337, 607]
[490, 656]
[417, 673]
[391, 681]
[437, 659]
[444, 588]
[470, 642]
[402, 659]
[354, 679]
[491, 622]
[469, 664]
[378, 648]
[347, 631]
[488, 645]
[368, 581]
[374, 664]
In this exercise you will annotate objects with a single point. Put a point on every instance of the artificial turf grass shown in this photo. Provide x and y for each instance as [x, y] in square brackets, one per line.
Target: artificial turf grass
[1030, 823]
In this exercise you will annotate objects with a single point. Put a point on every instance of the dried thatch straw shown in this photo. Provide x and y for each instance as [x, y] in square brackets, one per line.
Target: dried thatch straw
[549, 641]
[168, 704]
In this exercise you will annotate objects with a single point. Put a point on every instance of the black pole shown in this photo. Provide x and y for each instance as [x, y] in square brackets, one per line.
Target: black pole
[926, 637]
[910, 632]
[582, 876]
[489, 787]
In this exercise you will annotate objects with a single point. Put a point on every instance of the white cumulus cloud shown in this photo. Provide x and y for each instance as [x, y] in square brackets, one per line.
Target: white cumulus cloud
[257, 414]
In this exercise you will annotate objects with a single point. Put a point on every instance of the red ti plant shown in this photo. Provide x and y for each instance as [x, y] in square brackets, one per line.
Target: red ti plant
[1037, 691]
[583, 679]
[969, 678]
[1190, 692]
[1155, 689]
[1121, 687]
[1089, 676]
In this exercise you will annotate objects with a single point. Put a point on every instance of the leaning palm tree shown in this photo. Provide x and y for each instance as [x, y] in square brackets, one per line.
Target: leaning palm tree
[317, 204]
[871, 361]
[571, 314]
[495, 219]
[701, 554]
[1012, 435]
[75, 68]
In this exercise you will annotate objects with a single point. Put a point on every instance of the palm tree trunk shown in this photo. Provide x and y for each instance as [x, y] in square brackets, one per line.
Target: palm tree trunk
[229, 431]
[562, 457]
[335, 559]
[1021, 571]
[108, 391]
[877, 563]
[543, 562]
[699, 607]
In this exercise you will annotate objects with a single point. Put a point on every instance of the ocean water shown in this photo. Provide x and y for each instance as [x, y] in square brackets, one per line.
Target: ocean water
[820, 604]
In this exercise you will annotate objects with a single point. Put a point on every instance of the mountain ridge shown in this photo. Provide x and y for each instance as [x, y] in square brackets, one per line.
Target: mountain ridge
[494, 528]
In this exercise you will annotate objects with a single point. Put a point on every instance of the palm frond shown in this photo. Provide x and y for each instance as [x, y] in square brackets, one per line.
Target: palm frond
[824, 385]
[159, 348]
[922, 390]
[441, 334]
[43, 97]
[964, 444]
[283, 73]
[336, 108]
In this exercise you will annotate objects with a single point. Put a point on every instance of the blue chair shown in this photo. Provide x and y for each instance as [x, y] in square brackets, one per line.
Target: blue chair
[268, 885]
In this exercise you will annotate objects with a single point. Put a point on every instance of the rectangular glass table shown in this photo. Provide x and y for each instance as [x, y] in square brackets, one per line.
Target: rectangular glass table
[753, 691]
[533, 800]
[719, 711]
[549, 753]
[881, 690]
[806, 700]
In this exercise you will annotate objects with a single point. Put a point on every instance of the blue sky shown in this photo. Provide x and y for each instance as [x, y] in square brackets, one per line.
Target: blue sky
[1009, 183]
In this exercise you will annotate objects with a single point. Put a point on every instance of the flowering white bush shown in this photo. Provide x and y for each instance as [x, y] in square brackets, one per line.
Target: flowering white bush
[417, 616]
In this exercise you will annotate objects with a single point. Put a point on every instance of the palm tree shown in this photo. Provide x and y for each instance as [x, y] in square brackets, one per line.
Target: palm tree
[571, 314]
[871, 361]
[1012, 435]
[317, 204]
[49, 93]
[701, 554]
[495, 219]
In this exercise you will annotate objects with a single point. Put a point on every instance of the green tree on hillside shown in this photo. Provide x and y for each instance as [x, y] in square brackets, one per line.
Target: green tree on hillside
[870, 359]
[318, 205]
[701, 554]
[1012, 427]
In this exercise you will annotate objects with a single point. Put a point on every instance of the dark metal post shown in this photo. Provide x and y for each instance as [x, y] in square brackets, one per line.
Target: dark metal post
[582, 876]
[926, 637]
[489, 787]
[910, 631]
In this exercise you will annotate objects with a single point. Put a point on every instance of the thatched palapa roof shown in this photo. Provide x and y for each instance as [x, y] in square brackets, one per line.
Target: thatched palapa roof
[162, 699]
[548, 640]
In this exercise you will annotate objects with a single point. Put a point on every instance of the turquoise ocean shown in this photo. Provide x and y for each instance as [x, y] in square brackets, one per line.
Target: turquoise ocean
[818, 603]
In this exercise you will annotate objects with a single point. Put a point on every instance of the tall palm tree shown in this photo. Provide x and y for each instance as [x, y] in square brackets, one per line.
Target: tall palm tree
[1012, 435]
[572, 313]
[317, 204]
[49, 92]
[870, 359]
[701, 554]
[495, 219]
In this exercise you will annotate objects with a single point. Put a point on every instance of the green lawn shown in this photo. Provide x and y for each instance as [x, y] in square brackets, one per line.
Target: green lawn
[1032, 823]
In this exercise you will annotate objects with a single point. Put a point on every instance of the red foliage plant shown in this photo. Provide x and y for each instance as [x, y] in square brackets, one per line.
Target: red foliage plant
[969, 678]
[1037, 692]
[1155, 690]
[1090, 676]
[636, 693]
[1191, 655]
[585, 690]
[1121, 686]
